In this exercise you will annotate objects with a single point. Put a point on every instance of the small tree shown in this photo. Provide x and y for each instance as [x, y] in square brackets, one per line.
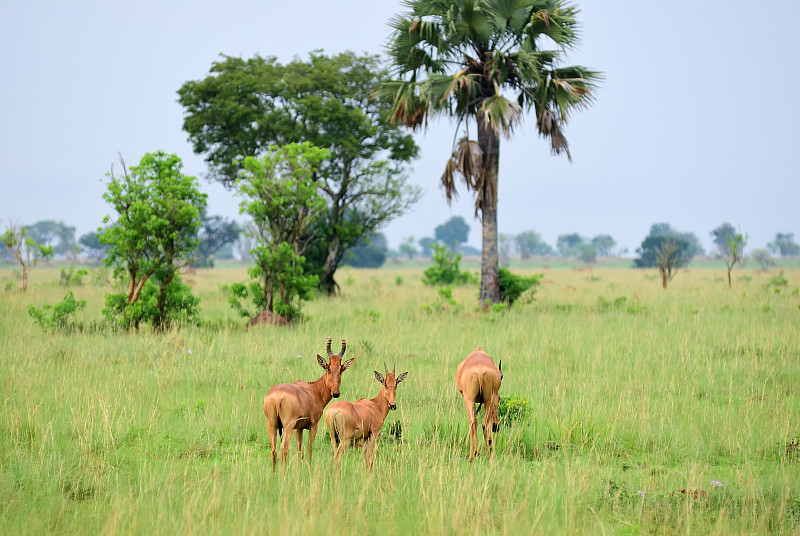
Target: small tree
[603, 244]
[452, 232]
[784, 245]
[426, 246]
[281, 196]
[530, 243]
[153, 237]
[720, 236]
[668, 260]
[568, 245]
[25, 250]
[763, 258]
[407, 247]
[733, 254]
[445, 270]
[587, 253]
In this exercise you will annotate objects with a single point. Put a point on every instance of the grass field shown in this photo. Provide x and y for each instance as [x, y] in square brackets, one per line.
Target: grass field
[650, 412]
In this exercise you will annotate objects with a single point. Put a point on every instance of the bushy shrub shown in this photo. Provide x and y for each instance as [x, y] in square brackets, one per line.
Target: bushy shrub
[445, 302]
[58, 316]
[179, 307]
[513, 408]
[512, 286]
[72, 277]
[445, 270]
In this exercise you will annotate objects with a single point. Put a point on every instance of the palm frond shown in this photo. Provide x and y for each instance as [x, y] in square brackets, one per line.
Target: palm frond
[500, 114]
[466, 163]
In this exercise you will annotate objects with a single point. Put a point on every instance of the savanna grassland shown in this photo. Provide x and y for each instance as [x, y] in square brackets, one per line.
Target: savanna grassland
[650, 412]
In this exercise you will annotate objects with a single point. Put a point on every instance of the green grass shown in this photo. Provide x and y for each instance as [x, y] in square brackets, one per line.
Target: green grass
[662, 391]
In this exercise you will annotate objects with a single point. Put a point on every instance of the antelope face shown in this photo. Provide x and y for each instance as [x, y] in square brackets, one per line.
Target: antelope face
[334, 368]
[389, 383]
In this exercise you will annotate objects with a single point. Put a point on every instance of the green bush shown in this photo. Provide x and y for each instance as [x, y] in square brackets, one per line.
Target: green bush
[180, 306]
[512, 286]
[445, 270]
[72, 277]
[58, 316]
[513, 408]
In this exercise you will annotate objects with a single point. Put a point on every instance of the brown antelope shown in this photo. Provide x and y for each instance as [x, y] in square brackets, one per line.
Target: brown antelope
[478, 380]
[298, 406]
[362, 419]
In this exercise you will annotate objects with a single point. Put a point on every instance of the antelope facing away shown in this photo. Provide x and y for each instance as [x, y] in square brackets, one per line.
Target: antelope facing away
[298, 406]
[478, 380]
[362, 419]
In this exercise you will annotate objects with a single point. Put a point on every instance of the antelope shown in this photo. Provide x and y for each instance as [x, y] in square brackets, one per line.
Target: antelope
[298, 406]
[363, 418]
[478, 380]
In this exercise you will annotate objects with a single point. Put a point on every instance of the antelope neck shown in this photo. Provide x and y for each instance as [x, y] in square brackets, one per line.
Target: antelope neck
[381, 402]
[321, 390]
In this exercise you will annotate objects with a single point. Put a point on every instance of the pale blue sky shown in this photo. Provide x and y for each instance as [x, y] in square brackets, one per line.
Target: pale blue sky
[695, 124]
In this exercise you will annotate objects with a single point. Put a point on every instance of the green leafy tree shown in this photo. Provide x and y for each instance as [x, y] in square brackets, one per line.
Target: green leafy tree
[720, 236]
[784, 245]
[25, 250]
[153, 237]
[426, 246]
[587, 253]
[91, 245]
[54, 233]
[665, 253]
[530, 243]
[445, 270]
[692, 247]
[371, 253]
[733, 253]
[486, 62]
[245, 106]
[453, 232]
[603, 244]
[407, 247]
[281, 194]
[763, 258]
[569, 245]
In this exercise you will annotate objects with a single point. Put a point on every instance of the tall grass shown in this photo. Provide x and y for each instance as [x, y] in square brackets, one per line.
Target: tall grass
[640, 398]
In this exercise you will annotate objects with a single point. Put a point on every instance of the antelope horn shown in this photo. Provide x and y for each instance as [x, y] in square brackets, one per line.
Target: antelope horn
[387, 368]
[344, 347]
[328, 347]
[394, 368]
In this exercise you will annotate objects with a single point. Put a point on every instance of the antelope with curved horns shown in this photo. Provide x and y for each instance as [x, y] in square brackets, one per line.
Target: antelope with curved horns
[363, 419]
[478, 380]
[298, 406]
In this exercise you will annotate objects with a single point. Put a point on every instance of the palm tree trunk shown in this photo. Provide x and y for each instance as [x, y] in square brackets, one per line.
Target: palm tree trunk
[490, 279]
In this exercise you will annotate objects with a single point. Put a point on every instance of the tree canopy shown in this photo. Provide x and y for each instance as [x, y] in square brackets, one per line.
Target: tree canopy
[153, 236]
[246, 105]
[453, 232]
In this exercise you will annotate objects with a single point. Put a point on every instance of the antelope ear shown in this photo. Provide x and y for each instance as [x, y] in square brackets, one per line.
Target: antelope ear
[347, 364]
[322, 362]
[378, 377]
[501, 370]
[402, 377]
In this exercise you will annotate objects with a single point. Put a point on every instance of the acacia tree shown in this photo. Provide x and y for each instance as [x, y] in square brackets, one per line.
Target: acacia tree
[245, 106]
[733, 254]
[24, 250]
[486, 62]
[153, 237]
[281, 195]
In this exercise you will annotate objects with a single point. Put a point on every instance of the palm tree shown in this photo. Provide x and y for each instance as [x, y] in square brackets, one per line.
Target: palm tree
[461, 58]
